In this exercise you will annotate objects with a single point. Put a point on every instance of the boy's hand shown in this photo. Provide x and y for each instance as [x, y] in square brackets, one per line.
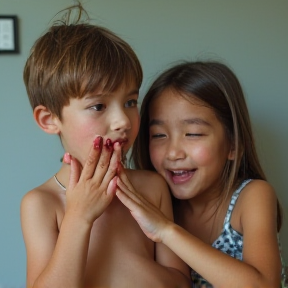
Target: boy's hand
[150, 219]
[92, 188]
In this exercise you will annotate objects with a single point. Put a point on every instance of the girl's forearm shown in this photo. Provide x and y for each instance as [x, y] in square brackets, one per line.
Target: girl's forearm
[67, 265]
[216, 267]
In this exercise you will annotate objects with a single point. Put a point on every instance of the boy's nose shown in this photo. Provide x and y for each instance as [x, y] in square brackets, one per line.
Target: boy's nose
[120, 121]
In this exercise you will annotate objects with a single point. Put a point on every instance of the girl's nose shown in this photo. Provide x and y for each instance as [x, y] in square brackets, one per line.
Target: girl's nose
[120, 121]
[175, 151]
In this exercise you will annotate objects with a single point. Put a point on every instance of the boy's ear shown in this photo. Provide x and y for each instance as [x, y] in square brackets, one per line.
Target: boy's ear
[47, 121]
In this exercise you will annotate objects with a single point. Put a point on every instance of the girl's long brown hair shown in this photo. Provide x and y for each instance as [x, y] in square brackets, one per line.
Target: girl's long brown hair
[216, 85]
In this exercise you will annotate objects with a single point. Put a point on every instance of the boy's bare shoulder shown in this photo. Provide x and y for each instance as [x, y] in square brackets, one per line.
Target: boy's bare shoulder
[148, 183]
[43, 199]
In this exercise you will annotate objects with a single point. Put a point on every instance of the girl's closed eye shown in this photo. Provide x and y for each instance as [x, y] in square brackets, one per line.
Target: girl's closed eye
[157, 135]
[131, 103]
[194, 134]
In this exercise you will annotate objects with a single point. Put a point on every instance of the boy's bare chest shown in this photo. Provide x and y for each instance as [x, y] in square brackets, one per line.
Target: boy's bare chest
[119, 252]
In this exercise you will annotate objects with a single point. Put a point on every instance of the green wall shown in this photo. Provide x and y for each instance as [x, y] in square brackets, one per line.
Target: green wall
[250, 36]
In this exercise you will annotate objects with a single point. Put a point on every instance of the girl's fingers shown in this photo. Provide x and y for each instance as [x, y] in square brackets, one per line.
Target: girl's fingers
[126, 186]
[126, 200]
[93, 159]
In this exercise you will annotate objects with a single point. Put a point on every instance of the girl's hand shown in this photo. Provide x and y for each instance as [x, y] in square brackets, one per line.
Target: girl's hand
[92, 188]
[150, 219]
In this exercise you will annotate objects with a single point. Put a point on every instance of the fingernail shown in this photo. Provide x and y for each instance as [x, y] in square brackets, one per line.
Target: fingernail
[67, 158]
[97, 143]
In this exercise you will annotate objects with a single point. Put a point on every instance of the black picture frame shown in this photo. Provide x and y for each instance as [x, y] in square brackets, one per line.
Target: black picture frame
[9, 42]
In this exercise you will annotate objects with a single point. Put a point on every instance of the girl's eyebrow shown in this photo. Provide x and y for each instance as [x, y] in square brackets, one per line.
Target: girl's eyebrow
[197, 121]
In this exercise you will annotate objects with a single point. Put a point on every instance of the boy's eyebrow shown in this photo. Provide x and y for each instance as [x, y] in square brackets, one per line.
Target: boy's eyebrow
[103, 94]
[197, 121]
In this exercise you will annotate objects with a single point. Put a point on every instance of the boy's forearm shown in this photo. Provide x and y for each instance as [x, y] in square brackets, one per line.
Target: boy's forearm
[67, 265]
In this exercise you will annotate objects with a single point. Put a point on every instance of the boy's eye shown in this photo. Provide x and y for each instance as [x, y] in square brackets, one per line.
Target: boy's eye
[98, 107]
[131, 103]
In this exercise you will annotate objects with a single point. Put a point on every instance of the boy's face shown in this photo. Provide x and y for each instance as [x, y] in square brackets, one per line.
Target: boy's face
[112, 115]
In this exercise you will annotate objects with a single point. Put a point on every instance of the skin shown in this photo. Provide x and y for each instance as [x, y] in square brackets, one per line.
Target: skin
[85, 237]
[200, 148]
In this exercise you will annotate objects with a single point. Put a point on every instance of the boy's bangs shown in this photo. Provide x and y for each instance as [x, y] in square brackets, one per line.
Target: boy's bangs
[110, 78]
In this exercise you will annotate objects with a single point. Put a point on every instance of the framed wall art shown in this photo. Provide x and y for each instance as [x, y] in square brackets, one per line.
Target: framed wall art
[9, 34]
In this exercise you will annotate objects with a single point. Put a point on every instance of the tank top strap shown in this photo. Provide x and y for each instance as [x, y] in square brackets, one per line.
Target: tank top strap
[234, 199]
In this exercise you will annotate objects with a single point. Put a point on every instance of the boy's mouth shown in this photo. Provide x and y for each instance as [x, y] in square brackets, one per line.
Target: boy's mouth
[110, 144]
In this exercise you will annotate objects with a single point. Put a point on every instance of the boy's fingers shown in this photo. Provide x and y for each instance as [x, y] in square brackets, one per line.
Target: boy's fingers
[112, 166]
[112, 187]
[75, 171]
[103, 164]
[67, 158]
[93, 159]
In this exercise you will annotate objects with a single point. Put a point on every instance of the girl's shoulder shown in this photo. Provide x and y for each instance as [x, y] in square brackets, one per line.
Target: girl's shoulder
[255, 190]
[257, 203]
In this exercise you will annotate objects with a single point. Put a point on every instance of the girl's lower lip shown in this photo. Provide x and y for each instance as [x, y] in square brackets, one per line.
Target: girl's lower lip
[181, 179]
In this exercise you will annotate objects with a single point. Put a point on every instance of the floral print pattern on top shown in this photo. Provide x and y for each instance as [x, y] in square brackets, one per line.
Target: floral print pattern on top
[229, 242]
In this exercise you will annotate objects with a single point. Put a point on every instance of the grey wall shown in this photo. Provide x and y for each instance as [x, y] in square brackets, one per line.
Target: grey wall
[251, 36]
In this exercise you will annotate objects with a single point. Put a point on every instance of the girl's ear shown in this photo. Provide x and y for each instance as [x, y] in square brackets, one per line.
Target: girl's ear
[232, 152]
[231, 155]
[47, 121]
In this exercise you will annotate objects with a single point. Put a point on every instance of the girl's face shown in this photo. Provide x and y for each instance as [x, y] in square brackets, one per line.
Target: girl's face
[188, 145]
[113, 116]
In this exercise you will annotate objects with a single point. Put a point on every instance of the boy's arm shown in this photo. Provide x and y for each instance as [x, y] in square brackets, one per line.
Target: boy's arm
[58, 258]
[54, 259]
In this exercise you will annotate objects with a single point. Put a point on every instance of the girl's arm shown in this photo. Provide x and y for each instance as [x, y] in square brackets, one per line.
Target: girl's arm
[178, 270]
[261, 261]
[58, 258]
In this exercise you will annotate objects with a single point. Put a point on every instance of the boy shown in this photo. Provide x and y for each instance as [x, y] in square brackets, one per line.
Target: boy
[83, 83]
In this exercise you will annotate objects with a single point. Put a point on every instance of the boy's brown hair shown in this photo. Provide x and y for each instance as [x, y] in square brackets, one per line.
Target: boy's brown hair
[71, 60]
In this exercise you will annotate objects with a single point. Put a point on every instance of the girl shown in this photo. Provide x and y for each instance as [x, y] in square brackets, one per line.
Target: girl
[195, 131]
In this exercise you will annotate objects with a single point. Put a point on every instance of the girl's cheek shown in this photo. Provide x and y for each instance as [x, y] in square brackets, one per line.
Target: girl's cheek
[201, 154]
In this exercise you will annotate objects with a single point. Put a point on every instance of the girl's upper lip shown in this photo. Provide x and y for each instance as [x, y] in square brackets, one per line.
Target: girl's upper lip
[180, 169]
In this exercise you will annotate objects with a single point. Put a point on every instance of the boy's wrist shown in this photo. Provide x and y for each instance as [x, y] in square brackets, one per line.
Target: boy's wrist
[75, 220]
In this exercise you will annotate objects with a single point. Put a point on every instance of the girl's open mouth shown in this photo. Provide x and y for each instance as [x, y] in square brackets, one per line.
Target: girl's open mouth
[181, 176]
